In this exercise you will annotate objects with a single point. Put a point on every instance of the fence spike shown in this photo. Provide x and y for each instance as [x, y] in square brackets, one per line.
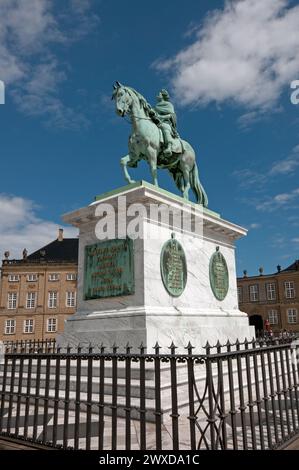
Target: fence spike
[189, 348]
[157, 347]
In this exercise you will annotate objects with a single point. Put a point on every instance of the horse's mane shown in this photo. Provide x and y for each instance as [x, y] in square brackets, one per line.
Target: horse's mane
[146, 106]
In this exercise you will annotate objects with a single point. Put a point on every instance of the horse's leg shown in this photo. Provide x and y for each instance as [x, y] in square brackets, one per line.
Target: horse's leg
[152, 160]
[124, 161]
[186, 176]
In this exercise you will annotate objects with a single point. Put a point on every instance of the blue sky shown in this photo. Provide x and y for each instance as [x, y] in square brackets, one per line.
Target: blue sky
[228, 67]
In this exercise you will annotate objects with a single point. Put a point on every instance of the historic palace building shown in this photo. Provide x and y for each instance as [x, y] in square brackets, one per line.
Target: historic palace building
[272, 298]
[38, 292]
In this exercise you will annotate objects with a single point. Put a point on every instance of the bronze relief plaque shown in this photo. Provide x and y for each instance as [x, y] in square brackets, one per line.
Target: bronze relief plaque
[109, 269]
[173, 267]
[219, 278]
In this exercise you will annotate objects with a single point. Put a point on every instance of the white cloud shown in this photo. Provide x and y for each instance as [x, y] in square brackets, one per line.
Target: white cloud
[254, 226]
[252, 178]
[282, 200]
[246, 54]
[20, 227]
[288, 165]
[248, 177]
[28, 65]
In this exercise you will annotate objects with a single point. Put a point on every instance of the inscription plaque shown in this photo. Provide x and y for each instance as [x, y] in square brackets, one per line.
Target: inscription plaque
[109, 269]
[219, 279]
[173, 267]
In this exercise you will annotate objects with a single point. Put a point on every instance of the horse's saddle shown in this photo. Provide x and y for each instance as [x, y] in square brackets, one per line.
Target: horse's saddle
[176, 143]
[177, 150]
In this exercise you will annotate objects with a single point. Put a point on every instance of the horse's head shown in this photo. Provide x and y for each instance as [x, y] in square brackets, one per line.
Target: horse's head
[123, 99]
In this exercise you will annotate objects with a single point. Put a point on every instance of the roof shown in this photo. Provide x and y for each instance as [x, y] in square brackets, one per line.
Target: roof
[57, 251]
[292, 267]
[64, 251]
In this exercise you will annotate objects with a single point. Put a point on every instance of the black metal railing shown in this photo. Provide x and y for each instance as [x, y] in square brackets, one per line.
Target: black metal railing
[34, 345]
[233, 396]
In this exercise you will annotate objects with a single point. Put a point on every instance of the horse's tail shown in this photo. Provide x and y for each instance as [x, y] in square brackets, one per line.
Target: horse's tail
[197, 188]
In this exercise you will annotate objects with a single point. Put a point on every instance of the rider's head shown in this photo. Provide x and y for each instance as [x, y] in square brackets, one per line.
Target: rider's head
[165, 94]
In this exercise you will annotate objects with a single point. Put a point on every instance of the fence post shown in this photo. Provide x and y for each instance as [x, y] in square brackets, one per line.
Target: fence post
[142, 398]
[191, 384]
[158, 411]
[174, 397]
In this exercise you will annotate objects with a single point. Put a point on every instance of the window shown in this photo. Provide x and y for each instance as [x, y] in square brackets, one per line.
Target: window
[52, 300]
[253, 293]
[240, 296]
[29, 326]
[71, 276]
[13, 278]
[271, 291]
[12, 299]
[273, 317]
[51, 325]
[32, 277]
[53, 277]
[289, 289]
[31, 300]
[10, 327]
[71, 299]
[292, 315]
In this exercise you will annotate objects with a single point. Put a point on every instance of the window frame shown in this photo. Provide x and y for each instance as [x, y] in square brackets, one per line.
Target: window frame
[50, 301]
[12, 302]
[289, 289]
[25, 326]
[273, 291]
[11, 321]
[255, 292]
[67, 298]
[275, 312]
[54, 320]
[11, 276]
[292, 310]
[29, 307]
[240, 294]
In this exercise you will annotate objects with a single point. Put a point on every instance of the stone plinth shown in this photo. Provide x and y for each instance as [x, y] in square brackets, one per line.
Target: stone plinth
[150, 313]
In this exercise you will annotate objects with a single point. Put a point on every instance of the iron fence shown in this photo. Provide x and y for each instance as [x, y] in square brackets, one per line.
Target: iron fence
[233, 396]
[35, 345]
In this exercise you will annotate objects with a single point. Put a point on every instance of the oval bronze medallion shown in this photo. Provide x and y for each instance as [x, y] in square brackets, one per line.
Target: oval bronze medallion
[219, 278]
[173, 267]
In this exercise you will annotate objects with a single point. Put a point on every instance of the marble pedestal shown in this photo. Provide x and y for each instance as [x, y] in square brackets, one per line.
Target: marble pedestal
[150, 314]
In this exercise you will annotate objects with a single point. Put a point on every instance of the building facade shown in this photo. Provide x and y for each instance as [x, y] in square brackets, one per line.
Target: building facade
[272, 298]
[38, 293]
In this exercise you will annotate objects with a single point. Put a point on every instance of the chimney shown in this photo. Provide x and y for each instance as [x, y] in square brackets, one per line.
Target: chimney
[60, 235]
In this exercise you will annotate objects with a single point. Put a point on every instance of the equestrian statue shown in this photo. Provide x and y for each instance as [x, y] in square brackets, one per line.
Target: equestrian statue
[154, 138]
